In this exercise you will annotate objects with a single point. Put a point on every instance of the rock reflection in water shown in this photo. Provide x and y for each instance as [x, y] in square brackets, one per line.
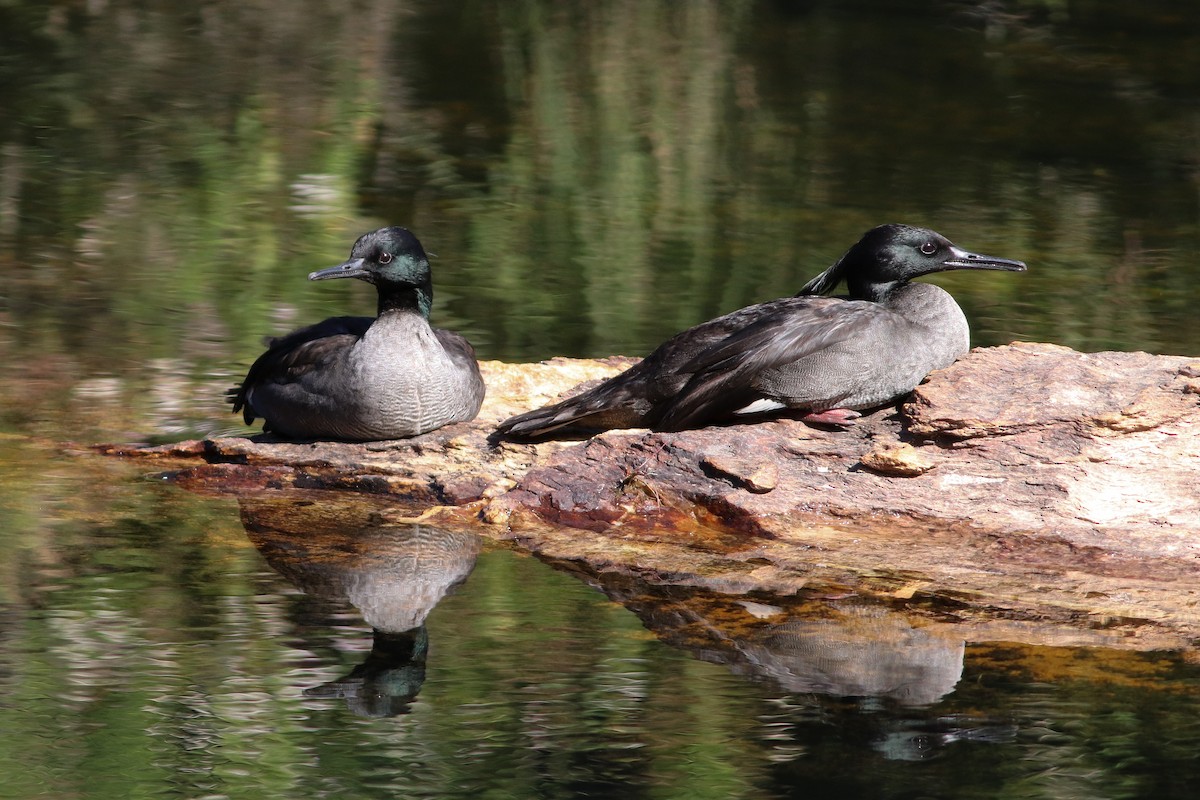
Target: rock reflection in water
[393, 574]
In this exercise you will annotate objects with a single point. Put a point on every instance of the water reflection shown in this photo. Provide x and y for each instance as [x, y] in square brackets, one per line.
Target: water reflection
[918, 740]
[388, 680]
[394, 574]
[860, 652]
[152, 652]
[618, 175]
[814, 646]
[887, 674]
[892, 672]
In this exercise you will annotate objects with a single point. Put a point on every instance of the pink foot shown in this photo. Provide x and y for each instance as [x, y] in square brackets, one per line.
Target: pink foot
[839, 417]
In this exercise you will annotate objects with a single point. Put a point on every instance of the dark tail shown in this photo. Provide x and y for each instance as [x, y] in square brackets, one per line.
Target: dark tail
[619, 402]
[616, 403]
[567, 419]
[236, 396]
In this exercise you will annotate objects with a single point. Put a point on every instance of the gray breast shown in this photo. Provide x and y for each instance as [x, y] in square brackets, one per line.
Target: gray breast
[400, 379]
[889, 352]
[407, 382]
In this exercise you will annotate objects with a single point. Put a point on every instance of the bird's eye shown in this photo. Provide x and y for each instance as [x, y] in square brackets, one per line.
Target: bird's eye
[385, 258]
[929, 248]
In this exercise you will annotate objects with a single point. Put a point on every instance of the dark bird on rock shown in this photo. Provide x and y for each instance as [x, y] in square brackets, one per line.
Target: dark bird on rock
[828, 357]
[367, 378]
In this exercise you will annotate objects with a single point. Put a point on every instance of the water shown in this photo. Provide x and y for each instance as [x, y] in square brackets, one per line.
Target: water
[593, 177]
[159, 644]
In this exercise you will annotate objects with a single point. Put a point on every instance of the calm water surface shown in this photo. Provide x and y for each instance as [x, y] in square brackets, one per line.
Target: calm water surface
[593, 177]
[159, 644]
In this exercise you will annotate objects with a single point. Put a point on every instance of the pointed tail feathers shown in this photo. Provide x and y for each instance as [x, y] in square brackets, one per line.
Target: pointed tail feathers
[560, 418]
[602, 408]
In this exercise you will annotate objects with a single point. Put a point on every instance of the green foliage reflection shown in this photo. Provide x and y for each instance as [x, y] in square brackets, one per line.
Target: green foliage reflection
[595, 176]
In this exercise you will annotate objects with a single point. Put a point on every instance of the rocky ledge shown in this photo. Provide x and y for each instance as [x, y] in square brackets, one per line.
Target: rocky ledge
[1025, 486]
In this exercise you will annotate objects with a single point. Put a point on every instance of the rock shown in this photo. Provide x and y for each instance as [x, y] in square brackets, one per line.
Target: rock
[901, 459]
[763, 479]
[1064, 489]
[1029, 387]
[755, 476]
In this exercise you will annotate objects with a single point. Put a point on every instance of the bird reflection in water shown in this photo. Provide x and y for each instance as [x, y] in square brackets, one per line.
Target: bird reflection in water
[387, 681]
[393, 574]
[855, 652]
[833, 649]
[923, 739]
[894, 670]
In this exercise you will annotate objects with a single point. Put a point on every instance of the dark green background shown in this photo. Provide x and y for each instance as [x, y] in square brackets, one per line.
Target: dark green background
[593, 178]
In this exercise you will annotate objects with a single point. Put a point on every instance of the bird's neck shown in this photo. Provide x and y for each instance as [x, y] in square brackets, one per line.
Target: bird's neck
[873, 291]
[933, 309]
[406, 297]
[917, 298]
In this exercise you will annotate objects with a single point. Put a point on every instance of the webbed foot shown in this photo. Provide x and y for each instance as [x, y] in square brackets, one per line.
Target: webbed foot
[838, 417]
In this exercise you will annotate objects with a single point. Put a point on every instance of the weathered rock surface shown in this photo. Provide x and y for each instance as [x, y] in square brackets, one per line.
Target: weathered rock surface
[1030, 483]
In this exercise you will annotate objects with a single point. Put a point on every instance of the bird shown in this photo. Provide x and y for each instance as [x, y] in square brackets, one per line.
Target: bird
[827, 357]
[390, 376]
